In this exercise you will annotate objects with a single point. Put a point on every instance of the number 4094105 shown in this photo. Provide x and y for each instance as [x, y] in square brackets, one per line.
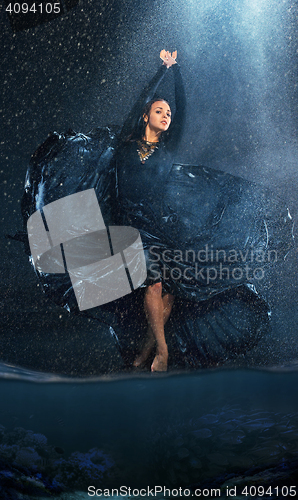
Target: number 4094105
[24, 8]
[278, 491]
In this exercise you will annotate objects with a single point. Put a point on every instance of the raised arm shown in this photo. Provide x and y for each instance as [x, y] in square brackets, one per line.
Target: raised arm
[176, 129]
[147, 94]
[175, 132]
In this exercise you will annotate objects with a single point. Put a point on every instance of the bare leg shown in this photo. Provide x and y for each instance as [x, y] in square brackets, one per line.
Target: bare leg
[167, 300]
[146, 349]
[160, 362]
[157, 310]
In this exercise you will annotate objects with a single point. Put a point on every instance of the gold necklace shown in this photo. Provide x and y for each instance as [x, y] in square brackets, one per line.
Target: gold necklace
[146, 149]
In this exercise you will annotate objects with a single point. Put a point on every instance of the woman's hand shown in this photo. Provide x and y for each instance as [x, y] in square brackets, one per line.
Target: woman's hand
[168, 58]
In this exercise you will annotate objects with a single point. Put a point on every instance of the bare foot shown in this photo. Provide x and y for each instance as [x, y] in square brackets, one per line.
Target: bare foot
[160, 362]
[148, 346]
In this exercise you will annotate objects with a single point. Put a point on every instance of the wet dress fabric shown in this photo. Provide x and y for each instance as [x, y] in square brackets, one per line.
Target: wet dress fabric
[208, 236]
[142, 182]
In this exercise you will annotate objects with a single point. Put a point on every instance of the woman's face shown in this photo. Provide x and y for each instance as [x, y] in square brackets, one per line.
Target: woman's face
[159, 118]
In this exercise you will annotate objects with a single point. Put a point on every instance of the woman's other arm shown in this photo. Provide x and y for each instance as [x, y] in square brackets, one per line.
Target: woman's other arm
[177, 126]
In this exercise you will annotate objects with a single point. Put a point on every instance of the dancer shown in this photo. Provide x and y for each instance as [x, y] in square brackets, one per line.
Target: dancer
[144, 158]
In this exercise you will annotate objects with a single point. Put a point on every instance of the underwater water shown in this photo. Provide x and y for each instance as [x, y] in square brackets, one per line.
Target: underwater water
[67, 419]
[216, 429]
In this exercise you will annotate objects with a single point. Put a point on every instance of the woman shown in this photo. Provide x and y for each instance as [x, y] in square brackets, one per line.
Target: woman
[144, 160]
[207, 235]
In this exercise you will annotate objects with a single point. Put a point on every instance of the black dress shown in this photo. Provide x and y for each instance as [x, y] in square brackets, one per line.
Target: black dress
[208, 236]
[142, 182]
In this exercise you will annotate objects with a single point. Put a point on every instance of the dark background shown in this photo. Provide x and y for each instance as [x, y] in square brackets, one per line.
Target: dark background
[84, 69]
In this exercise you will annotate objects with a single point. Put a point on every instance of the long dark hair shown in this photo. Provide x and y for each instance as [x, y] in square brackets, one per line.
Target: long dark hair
[139, 130]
